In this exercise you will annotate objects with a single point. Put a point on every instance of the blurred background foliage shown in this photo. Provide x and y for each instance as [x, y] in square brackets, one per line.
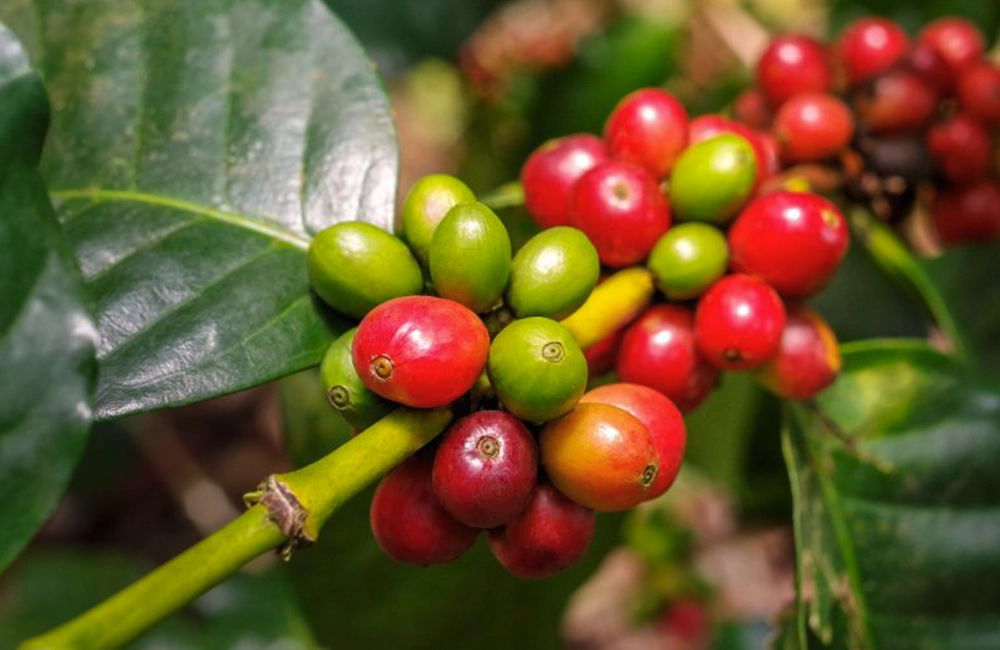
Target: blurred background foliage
[476, 85]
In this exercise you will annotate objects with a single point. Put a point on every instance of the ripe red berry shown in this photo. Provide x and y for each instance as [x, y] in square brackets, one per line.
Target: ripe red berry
[979, 92]
[601, 355]
[807, 361]
[738, 322]
[659, 351]
[551, 534]
[751, 109]
[896, 101]
[967, 214]
[931, 66]
[868, 46]
[550, 172]
[485, 469]
[791, 65]
[648, 127]
[420, 351]
[620, 207]
[960, 148]
[662, 419]
[794, 241]
[956, 40]
[408, 523]
[812, 127]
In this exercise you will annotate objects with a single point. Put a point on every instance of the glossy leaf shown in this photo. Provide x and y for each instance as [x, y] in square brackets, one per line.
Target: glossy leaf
[47, 337]
[195, 148]
[898, 532]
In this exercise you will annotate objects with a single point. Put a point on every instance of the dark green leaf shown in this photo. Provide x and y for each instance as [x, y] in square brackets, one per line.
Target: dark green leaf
[898, 532]
[47, 338]
[195, 148]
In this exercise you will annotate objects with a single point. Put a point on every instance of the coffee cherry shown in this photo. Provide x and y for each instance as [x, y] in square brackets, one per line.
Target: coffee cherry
[658, 350]
[812, 127]
[808, 358]
[956, 40]
[792, 65]
[553, 274]
[897, 101]
[931, 66]
[551, 534]
[409, 524]
[469, 257]
[751, 109]
[600, 456]
[619, 206]
[661, 418]
[967, 214]
[869, 46]
[648, 127]
[794, 241]
[979, 92]
[601, 355]
[420, 351]
[738, 322]
[485, 469]
[552, 170]
[960, 147]
[354, 266]
[345, 391]
[427, 202]
[536, 368]
[688, 259]
[708, 126]
[713, 178]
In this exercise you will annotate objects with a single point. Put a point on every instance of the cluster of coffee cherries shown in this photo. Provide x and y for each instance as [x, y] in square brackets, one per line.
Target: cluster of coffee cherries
[686, 198]
[449, 317]
[904, 119]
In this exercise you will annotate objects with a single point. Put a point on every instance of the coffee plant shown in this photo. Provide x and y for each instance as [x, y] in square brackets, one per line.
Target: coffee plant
[199, 198]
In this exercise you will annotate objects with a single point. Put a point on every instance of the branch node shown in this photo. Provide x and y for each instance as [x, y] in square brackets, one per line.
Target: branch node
[285, 511]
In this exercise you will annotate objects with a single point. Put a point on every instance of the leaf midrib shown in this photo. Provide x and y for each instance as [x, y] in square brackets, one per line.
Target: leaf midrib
[257, 225]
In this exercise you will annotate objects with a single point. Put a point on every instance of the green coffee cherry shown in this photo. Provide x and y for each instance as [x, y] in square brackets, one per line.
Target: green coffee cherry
[354, 266]
[469, 257]
[687, 259]
[345, 391]
[553, 274]
[712, 179]
[428, 201]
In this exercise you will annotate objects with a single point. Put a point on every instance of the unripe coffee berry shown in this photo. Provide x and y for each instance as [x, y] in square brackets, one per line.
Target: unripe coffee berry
[427, 202]
[345, 391]
[688, 259]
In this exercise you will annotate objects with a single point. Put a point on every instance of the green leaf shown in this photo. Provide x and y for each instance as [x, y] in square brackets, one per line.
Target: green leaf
[195, 148]
[897, 504]
[47, 337]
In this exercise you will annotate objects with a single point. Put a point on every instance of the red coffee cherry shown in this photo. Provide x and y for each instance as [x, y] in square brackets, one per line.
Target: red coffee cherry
[808, 358]
[551, 534]
[485, 469]
[931, 66]
[420, 351]
[792, 65]
[620, 207]
[751, 109]
[956, 40]
[960, 148]
[738, 322]
[601, 355]
[662, 419]
[967, 214]
[868, 46]
[897, 101]
[979, 92]
[794, 241]
[409, 524]
[550, 172]
[812, 127]
[649, 128]
[659, 351]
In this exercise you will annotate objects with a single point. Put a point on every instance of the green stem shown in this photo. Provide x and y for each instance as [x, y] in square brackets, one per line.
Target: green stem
[509, 195]
[290, 511]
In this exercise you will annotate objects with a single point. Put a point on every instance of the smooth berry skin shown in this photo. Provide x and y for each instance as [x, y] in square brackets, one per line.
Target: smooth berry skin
[620, 207]
[662, 418]
[979, 92]
[931, 66]
[794, 241]
[550, 172]
[658, 350]
[420, 351]
[739, 322]
[791, 65]
[867, 47]
[409, 524]
[808, 359]
[956, 40]
[751, 109]
[688, 259]
[552, 533]
[707, 126]
[898, 101]
[960, 148]
[648, 127]
[601, 356]
[485, 469]
[812, 127]
[967, 214]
